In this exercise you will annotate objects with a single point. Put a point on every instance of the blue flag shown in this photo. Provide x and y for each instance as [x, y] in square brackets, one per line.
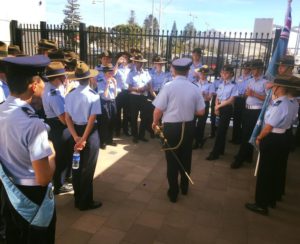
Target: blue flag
[280, 51]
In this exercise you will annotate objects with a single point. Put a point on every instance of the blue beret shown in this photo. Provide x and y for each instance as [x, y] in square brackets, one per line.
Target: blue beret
[27, 65]
[182, 63]
[35, 61]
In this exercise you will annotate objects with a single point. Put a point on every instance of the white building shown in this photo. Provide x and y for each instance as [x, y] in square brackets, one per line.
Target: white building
[24, 11]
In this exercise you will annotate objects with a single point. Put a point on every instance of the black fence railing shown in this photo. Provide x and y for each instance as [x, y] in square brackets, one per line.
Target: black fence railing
[219, 48]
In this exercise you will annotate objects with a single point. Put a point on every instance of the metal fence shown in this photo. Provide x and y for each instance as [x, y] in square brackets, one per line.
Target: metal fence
[219, 48]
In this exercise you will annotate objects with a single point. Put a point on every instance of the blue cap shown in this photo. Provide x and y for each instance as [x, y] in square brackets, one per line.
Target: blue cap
[28, 65]
[35, 61]
[182, 64]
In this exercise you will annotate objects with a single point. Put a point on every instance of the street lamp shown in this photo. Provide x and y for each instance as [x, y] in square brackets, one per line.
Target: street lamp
[101, 1]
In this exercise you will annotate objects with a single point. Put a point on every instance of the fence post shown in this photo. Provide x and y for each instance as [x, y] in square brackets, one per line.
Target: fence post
[44, 32]
[169, 47]
[276, 38]
[83, 42]
[15, 34]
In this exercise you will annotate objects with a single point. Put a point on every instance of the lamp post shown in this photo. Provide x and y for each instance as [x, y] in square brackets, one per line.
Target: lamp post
[101, 1]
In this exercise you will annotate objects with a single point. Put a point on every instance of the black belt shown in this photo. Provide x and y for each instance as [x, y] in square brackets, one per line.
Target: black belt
[179, 123]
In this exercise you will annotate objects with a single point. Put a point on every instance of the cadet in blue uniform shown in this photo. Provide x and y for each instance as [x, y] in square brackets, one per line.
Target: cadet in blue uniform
[226, 93]
[207, 90]
[196, 57]
[82, 106]
[177, 104]
[138, 81]
[213, 126]
[54, 107]
[122, 69]
[25, 156]
[272, 142]
[255, 93]
[4, 91]
[239, 103]
[107, 88]
[157, 79]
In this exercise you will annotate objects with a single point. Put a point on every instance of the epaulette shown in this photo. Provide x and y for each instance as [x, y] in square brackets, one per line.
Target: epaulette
[29, 112]
[277, 103]
[195, 83]
[72, 89]
[92, 91]
[52, 92]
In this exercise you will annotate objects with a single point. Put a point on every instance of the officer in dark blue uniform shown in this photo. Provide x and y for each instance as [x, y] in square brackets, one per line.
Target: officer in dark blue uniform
[82, 106]
[27, 165]
[177, 104]
[226, 93]
[273, 142]
[54, 107]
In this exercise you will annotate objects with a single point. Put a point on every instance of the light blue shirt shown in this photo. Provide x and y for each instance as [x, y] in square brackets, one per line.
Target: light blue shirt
[258, 86]
[121, 77]
[53, 101]
[206, 87]
[2, 95]
[168, 78]
[111, 90]
[226, 91]
[82, 103]
[139, 79]
[279, 114]
[23, 139]
[242, 83]
[5, 88]
[157, 80]
[294, 107]
[191, 76]
[216, 84]
[179, 100]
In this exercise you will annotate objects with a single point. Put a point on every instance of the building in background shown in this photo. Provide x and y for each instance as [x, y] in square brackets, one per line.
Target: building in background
[24, 11]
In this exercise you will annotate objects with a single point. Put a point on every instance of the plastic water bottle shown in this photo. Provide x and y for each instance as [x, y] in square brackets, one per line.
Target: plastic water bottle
[76, 160]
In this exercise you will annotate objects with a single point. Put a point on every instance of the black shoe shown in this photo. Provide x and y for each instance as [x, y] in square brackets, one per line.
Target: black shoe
[202, 143]
[272, 205]
[143, 139]
[135, 140]
[212, 157]
[172, 198]
[195, 146]
[257, 209]
[63, 189]
[103, 146]
[114, 144]
[92, 205]
[236, 165]
[126, 133]
[184, 191]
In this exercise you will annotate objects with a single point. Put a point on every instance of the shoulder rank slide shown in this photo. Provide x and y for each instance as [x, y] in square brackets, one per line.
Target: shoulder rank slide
[29, 112]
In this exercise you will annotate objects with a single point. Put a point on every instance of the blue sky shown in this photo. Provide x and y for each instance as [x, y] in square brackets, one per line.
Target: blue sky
[222, 15]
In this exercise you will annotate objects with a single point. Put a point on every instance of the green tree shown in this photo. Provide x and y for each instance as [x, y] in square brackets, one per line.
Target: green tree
[71, 12]
[131, 20]
[127, 36]
[190, 29]
[148, 23]
[174, 28]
